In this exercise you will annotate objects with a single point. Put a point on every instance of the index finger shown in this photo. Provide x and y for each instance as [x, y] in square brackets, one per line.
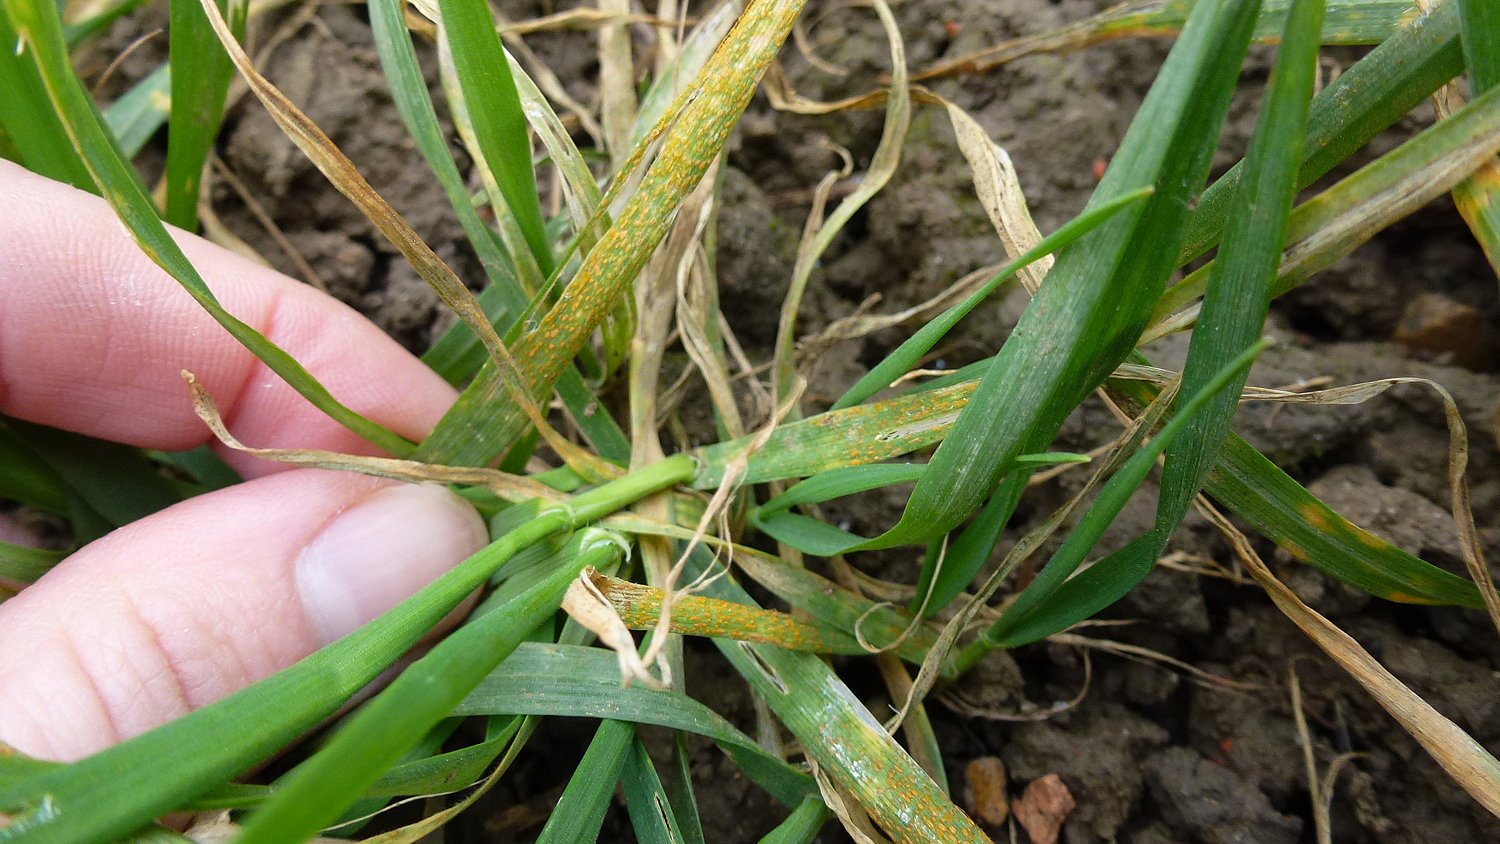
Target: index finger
[93, 337]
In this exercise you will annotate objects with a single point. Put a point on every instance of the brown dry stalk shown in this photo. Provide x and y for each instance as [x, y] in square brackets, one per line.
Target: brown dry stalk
[1470, 765]
[513, 488]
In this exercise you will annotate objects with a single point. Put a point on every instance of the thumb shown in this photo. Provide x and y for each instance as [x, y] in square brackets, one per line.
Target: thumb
[184, 607]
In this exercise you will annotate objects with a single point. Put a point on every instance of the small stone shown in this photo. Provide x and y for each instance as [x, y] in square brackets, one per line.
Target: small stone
[984, 790]
[1442, 327]
[1043, 807]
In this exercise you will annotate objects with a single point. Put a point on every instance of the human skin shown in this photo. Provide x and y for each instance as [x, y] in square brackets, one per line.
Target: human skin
[181, 608]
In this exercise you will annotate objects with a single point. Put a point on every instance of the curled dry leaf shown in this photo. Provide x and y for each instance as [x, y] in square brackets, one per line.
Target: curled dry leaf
[999, 191]
[587, 606]
[847, 809]
[819, 233]
[514, 488]
[1043, 807]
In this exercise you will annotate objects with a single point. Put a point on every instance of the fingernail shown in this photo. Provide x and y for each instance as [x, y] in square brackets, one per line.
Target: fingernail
[380, 551]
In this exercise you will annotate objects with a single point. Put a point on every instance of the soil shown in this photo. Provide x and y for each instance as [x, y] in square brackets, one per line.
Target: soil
[1150, 753]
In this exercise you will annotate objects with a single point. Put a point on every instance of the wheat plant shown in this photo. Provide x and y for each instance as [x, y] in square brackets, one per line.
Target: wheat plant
[557, 437]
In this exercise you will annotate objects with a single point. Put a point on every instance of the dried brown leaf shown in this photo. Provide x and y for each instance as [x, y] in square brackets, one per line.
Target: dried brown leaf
[1470, 765]
[503, 484]
[589, 607]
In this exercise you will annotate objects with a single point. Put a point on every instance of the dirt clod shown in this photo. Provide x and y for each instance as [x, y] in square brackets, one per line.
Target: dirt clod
[1098, 750]
[984, 790]
[1213, 803]
[1043, 808]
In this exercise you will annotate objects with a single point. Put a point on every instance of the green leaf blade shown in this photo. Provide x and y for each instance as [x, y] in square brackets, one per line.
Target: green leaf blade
[1280, 508]
[580, 811]
[1478, 197]
[484, 422]
[1480, 31]
[139, 112]
[458, 353]
[1099, 293]
[1044, 607]
[1239, 287]
[646, 799]
[500, 126]
[198, 89]
[28, 120]
[578, 682]
[907, 355]
[374, 739]
[1369, 96]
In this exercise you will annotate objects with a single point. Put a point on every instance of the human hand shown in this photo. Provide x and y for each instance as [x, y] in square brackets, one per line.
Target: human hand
[184, 607]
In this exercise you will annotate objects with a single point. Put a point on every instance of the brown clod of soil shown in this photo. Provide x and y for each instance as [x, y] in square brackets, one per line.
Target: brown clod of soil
[1438, 325]
[984, 790]
[1213, 804]
[1043, 808]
